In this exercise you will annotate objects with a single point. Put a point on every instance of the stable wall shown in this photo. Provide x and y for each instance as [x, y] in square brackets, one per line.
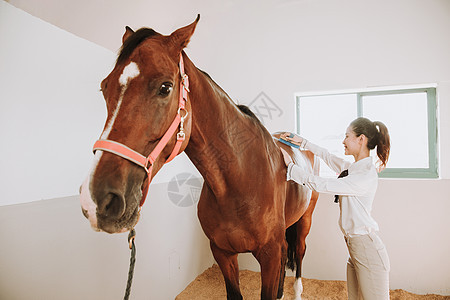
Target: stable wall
[284, 47]
[50, 252]
[50, 108]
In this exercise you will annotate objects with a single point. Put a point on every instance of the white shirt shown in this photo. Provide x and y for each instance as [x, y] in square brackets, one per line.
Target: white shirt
[357, 189]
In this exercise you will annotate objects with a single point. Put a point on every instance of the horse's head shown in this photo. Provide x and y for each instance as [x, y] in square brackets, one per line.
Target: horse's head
[142, 95]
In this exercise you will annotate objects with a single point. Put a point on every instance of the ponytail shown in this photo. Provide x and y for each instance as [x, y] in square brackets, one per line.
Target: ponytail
[377, 136]
[383, 145]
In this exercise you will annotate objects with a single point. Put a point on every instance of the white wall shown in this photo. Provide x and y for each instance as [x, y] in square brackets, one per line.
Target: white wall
[280, 47]
[50, 108]
[50, 252]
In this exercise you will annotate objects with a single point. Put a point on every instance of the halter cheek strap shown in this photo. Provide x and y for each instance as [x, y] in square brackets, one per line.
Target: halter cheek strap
[147, 162]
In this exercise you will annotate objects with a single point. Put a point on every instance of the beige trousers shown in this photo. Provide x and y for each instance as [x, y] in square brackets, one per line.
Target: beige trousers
[367, 268]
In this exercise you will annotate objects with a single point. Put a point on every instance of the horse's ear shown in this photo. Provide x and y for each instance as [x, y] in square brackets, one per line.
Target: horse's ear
[127, 34]
[180, 38]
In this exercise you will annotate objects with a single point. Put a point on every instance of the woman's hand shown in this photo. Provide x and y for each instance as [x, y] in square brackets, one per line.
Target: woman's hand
[286, 156]
[295, 139]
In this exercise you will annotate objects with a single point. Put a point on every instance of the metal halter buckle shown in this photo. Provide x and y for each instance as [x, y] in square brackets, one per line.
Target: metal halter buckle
[185, 80]
[181, 136]
[185, 113]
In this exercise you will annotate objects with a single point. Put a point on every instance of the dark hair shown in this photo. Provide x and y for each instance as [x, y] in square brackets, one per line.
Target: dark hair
[133, 42]
[377, 136]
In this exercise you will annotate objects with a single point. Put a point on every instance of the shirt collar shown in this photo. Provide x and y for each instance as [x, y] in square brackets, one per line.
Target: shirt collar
[362, 164]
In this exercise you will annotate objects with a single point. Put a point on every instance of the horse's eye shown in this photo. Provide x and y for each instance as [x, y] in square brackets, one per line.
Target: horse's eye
[165, 88]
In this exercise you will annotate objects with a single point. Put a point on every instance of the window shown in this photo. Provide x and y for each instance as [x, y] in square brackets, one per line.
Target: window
[409, 114]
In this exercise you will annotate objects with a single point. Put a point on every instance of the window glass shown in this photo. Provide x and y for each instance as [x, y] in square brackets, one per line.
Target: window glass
[406, 119]
[323, 120]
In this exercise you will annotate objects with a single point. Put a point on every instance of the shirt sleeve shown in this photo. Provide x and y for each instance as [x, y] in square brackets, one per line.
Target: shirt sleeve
[336, 163]
[352, 185]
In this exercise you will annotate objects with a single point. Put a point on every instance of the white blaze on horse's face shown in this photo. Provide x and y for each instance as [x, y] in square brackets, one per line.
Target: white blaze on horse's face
[88, 205]
[129, 72]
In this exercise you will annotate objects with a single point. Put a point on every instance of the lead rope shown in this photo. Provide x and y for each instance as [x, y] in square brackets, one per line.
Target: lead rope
[131, 237]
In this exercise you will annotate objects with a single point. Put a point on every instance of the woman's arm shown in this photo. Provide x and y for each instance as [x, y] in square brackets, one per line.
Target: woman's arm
[336, 163]
[352, 185]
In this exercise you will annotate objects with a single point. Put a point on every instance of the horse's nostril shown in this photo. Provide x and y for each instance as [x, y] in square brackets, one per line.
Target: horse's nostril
[112, 206]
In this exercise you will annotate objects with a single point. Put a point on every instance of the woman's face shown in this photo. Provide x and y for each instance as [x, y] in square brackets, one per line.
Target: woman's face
[352, 143]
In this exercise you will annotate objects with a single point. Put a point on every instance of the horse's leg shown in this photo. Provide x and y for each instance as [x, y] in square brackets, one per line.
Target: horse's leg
[303, 227]
[230, 270]
[269, 257]
[282, 273]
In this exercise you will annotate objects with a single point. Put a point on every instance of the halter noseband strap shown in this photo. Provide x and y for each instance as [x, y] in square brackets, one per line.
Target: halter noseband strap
[147, 162]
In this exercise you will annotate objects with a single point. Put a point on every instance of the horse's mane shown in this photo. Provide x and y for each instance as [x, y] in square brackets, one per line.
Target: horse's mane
[133, 41]
[246, 110]
[243, 108]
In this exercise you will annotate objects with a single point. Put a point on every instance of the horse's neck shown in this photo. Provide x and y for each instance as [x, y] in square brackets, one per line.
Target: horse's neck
[218, 130]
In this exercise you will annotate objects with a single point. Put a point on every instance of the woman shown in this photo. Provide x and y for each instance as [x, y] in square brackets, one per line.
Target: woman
[368, 265]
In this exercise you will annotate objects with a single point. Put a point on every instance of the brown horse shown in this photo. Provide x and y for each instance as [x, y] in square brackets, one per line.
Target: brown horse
[246, 204]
